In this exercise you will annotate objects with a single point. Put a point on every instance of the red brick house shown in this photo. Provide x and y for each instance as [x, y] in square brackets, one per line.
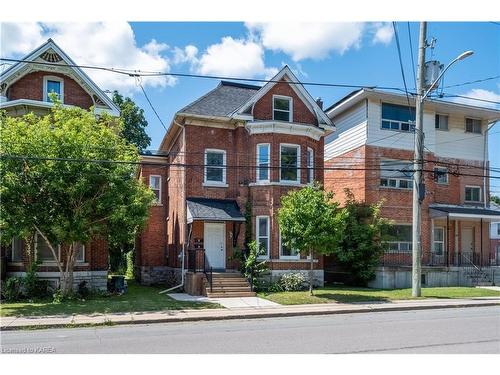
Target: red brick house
[24, 88]
[238, 147]
[372, 152]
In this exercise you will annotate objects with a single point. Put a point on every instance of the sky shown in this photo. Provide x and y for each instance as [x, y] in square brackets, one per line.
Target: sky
[347, 53]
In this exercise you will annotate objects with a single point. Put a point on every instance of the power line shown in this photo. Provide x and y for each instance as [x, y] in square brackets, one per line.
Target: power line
[139, 83]
[472, 82]
[468, 97]
[401, 64]
[411, 54]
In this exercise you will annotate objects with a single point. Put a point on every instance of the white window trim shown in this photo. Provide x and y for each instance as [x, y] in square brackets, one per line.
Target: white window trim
[400, 242]
[257, 173]
[84, 253]
[11, 261]
[289, 257]
[222, 183]
[398, 181]
[51, 261]
[158, 203]
[443, 168]
[472, 186]
[257, 234]
[52, 78]
[445, 115]
[297, 181]
[310, 165]
[473, 118]
[434, 239]
[290, 112]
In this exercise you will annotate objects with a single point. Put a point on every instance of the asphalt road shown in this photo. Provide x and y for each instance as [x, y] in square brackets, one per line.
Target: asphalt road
[465, 330]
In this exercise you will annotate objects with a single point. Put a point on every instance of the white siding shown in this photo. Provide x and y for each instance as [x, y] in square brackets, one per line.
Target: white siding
[350, 134]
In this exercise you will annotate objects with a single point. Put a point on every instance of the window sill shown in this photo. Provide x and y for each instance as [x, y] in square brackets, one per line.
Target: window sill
[290, 258]
[215, 184]
[292, 183]
[15, 264]
[284, 260]
[395, 188]
[276, 183]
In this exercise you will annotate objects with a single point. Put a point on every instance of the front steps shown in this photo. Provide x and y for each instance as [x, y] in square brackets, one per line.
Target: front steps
[228, 284]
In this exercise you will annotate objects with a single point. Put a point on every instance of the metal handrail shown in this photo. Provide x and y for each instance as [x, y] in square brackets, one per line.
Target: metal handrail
[207, 270]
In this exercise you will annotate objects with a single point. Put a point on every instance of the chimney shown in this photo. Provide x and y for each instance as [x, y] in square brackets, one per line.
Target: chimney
[319, 102]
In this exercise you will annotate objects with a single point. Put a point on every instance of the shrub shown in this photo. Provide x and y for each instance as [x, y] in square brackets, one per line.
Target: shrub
[291, 282]
[33, 287]
[11, 289]
[83, 290]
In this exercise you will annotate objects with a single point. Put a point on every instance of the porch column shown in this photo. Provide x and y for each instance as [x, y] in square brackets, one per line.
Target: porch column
[481, 245]
[431, 253]
[447, 239]
[457, 249]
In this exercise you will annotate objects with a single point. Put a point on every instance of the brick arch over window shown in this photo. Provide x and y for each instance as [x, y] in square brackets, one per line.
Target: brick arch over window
[30, 87]
[263, 108]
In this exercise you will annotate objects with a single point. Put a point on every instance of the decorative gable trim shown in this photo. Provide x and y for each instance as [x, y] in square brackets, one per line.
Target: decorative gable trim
[280, 127]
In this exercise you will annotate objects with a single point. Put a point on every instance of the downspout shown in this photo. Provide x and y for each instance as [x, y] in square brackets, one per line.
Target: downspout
[485, 156]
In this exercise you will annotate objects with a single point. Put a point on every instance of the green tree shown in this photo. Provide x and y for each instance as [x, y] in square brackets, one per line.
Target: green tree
[134, 122]
[309, 223]
[361, 239]
[69, 177]
[495, 199]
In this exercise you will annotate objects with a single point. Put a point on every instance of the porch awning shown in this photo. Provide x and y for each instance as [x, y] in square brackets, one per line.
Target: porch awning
[464, 212]
[213, 210]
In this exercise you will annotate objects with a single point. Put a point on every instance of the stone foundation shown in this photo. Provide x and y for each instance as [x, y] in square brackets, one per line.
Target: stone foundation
[97, 280]
[158, 275]
[319, 276]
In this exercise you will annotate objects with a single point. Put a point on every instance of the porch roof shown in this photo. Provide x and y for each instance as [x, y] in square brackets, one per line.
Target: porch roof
[464, 212]
[213, 210]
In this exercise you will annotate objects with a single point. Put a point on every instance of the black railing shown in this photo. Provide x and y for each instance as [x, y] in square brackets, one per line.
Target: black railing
[463, 259]
[207, 270]
[198, 262]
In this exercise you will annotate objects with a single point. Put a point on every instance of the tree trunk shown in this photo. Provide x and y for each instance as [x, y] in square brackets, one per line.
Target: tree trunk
[67, 276]
[311, 272]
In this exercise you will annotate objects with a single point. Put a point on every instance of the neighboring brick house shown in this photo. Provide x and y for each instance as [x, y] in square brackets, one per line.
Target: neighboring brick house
[24, 88]
[371, 153]
[238, 146]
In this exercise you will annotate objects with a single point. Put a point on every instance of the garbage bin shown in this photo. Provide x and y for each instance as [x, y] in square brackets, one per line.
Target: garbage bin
[118, 284]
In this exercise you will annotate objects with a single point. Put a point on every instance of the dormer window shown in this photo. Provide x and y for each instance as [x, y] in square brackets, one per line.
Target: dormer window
[282, 108]
[53, 85]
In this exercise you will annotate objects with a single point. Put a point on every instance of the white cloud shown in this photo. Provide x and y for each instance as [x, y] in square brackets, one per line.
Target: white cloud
[186, 55]
[308, 40]
[480, 94]
[383, 33]
[106, 44]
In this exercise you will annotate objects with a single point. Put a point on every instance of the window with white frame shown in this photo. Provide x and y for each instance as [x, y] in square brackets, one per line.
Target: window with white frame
[262, 235]
[310, 165]
[288, 252]
[397, 117]
[215, 166]
[400, 238]
[53, 85]
[263, 161]
[396, 174]
[441, 122]
[438, 240]
[289, 163]
[441, 175]
[155, 185]
[282, 108]
[43, 252]
[472, 194]
[79, 249]
[472, 125]
[15, 250]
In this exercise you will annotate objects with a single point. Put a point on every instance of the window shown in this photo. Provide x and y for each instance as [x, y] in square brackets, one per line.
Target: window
[498, 229]
[215, 166]
[396, 174]
[155, 185]
[400, 238]
[263, 161]
[397, 117]
[15, 251]
[53, 85]
[282, 108]
[438, 240]
[289, 163]
[441, 122]
[262, 234]
[310, 165]
[472, 125]
[472, 194]
[80, 252]
[441, 175]
[287, 252]
[43, 252]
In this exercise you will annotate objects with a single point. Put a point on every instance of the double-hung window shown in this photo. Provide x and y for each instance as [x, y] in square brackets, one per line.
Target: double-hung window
[155, 185]
[441, 122]
[289, 163]
[441, 175]
[79, 249]
[397, 117]
[472, 125]
[396, 174]
[43, 252]
[215, 167]
[438, 240]
[263, 161]
[262, 235]
[472, 194]
[310, 165]
[282, 108]
[288, 252]
[400, 238]
[15, 251]
[53, 85]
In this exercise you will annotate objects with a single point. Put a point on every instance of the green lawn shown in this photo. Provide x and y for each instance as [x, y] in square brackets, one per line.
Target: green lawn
[138, 298]
[350, 294]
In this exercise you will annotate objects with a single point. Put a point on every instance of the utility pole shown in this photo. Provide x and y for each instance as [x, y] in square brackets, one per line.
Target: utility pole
[418, 186]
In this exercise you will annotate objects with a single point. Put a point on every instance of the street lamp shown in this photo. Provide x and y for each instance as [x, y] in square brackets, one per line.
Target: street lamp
[460, 57]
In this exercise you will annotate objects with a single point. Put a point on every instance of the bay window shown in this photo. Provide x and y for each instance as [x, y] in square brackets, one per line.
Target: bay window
[289, 163]
[263, 161]
[287, 252]
[310, 165]
[262, 235]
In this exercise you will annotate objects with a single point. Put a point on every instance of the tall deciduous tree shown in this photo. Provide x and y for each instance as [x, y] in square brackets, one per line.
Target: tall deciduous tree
[134, 122]
[69, 177]
[309, 223]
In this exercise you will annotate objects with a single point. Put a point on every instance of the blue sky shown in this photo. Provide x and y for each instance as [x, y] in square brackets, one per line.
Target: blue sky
[338, 53]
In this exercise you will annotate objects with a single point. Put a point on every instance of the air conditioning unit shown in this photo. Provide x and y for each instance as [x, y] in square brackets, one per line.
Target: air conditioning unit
[432, 71]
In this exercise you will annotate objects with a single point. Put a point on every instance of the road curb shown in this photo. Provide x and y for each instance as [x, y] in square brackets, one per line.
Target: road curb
[257, 315]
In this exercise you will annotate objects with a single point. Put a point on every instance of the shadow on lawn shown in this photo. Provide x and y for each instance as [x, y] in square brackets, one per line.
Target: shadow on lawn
[352, 298]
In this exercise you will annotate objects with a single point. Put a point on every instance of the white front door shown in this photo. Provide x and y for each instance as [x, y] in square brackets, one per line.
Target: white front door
[467, 240]
[214, 244]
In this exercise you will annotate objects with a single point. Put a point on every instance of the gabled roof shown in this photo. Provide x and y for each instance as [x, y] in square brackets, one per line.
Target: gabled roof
[52, 53]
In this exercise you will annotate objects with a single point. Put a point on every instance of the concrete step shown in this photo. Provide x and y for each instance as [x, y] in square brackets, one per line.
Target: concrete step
[231, 294]
[230, 289]
[226, 275]
[229, 282]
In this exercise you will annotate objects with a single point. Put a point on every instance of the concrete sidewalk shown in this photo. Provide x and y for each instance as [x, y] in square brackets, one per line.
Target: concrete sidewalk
[12, 323]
